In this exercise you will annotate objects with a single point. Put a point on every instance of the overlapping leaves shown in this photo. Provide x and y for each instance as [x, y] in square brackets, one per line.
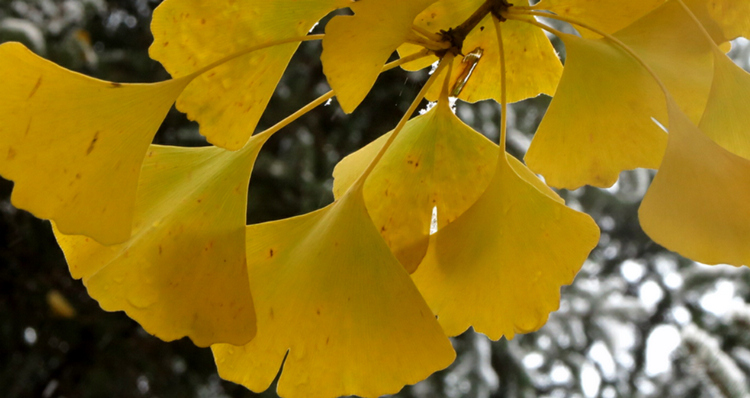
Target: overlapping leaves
[344, 299]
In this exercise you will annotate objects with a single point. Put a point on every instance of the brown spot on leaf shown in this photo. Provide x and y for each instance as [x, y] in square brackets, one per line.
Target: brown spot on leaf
[115, 85]
[93, 143]
[270, 252]
[317, 311]
[166, 43]
[11, 153]
[270, 313]
[203, 21]
[160, 249]
[328, 339]
[36, 87]
[78, 176]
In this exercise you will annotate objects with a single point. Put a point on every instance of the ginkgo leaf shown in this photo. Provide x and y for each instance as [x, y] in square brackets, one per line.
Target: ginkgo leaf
[727, 117]
[356, 47]
[608, 16]
[229, 100]
[697, 204]
[615, 132]
[599, 122]
[73, 145]
[499, 266]
[533, 67]
[674, 46]
[435, 161]
[724, 20]
[329, 292]
[183, 272]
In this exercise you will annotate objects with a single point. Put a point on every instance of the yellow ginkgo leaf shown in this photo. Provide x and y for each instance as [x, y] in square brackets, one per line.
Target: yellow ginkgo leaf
[332, 299]
[436, 161]
[533, 67]
[183, 272]
[599, 122]
[698, 204]
[229, 100]
[620, 98]
[724, 20]
[608, 16]
[499, 266]
[727, 117]
[356, 47]
[74, 145]
[675, 47]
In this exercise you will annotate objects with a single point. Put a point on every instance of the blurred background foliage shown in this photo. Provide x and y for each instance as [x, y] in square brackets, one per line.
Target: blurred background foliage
[638, 321]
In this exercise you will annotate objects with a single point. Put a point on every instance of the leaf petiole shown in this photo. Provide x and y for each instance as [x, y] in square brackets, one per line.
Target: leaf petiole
[448, 59]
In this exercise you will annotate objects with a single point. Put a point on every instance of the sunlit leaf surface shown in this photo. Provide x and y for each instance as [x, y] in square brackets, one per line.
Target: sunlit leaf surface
[183, 272]
[74, 145]
[599, 122]
[499, 266]
[616, 132]
[356, 47]
[229, 100]
[673, 44]
[328, 291]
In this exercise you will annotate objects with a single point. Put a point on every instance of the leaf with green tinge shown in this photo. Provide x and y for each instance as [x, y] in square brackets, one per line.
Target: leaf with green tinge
[183, 272]
[229, 100]
[73, 145]
[328, 291]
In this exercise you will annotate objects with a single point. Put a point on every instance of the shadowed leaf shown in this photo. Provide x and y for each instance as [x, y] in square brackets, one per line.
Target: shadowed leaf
[328, 291]
[183, 272]
[499, 266]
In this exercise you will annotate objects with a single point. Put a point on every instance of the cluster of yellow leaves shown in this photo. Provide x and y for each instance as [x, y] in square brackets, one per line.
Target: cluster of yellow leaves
[360, 297]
